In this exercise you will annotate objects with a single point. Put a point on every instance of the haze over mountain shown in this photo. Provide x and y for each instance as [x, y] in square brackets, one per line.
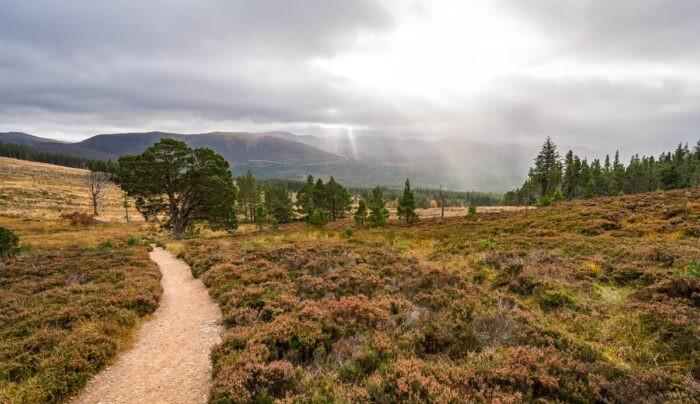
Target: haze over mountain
[361, 161]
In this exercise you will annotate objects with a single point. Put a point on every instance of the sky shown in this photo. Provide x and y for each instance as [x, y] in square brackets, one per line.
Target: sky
[598, 74]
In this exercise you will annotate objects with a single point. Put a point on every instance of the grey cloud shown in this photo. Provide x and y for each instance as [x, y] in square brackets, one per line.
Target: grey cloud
[190, 28]
[86, 67]
[620, 29]
[226, 60]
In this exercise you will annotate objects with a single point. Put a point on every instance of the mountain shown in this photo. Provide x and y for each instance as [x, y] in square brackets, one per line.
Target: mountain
[453, 163]
[236, 147]
[24, 139]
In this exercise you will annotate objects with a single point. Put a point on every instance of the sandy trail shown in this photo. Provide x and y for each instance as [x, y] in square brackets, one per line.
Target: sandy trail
[169, 362]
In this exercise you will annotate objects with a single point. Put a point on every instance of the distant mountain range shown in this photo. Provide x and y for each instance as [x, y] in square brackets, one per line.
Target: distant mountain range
[362, 161]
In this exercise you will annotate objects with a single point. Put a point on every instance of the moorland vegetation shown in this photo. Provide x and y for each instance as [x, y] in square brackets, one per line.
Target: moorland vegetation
[589, 301]
[592, 300]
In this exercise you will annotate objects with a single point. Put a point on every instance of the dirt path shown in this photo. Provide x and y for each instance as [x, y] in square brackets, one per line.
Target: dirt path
[169, 362]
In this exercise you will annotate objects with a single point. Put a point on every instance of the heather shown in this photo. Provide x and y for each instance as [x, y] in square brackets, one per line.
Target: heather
[70, 300]
[584, 301]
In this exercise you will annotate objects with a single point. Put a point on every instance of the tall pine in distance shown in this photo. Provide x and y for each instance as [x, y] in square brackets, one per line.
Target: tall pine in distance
[378, 213]
[546, 174]
[407, 205]
[305, 197]
[361, 213]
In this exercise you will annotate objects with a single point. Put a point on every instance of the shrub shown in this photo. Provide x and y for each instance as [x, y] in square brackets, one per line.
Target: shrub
[558, 196]
[9, 243]
[133, 240]
[488, 244]
[545, 201]
[554, 300]
[318, 218]
[693, 269]
[691, 232]
[348, 232]
[472, 209]
[79, 219]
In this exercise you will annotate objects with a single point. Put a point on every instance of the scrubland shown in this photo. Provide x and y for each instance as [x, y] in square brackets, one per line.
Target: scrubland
[589, 301]
[74, 295]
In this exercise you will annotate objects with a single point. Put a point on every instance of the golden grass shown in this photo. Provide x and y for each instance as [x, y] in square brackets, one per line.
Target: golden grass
[44, 191]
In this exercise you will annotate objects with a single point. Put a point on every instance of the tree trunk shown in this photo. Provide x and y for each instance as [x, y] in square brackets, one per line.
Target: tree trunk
[94, 204]
[179, 227]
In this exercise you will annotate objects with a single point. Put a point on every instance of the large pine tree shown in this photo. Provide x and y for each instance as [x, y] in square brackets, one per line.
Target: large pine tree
[174, 184]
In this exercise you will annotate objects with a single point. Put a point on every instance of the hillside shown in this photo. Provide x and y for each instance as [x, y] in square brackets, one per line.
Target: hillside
[589, 301]
[37, 190]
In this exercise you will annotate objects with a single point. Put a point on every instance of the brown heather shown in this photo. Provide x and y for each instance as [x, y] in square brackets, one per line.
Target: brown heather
[579, 302]
[73, 296]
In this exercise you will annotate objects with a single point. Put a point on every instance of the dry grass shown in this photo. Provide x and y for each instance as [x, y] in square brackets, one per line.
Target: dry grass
[461, 211]
[44, 191]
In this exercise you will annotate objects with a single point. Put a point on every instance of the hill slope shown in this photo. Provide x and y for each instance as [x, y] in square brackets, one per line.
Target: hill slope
[37, 190]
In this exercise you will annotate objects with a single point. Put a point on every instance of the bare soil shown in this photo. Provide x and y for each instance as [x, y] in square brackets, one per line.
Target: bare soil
[169, 362]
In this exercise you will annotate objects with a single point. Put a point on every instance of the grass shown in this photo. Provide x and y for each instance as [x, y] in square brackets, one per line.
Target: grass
[43, 191]
[74, 295]
[579, 302]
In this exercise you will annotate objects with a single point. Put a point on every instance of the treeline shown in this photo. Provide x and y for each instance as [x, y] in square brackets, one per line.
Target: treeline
[425, 197]
[269, 202]
[430, 197]
[555, 178]
[22, 152]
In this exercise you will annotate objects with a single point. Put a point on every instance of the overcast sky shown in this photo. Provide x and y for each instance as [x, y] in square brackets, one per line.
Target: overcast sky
[590, 73]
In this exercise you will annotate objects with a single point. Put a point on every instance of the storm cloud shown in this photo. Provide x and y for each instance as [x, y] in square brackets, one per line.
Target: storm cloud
[590, 73]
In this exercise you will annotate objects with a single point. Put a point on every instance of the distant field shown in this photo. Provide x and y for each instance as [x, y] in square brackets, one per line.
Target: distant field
[38, 190]
[461, 211]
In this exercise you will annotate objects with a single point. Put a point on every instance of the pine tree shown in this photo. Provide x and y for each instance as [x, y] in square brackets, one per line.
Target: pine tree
[378, 212]
[260, 216]
[278, 204]
[318, 218]
[558, 196]
[618, 174]
[590, 190]
[569, 181]
[336, 199]
[305, 197]
[361, 213]
[319, 195]
[407, 205]
[547, 171]
[248, 194]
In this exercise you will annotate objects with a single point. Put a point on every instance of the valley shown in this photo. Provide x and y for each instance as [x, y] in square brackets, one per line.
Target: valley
[586, 301]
